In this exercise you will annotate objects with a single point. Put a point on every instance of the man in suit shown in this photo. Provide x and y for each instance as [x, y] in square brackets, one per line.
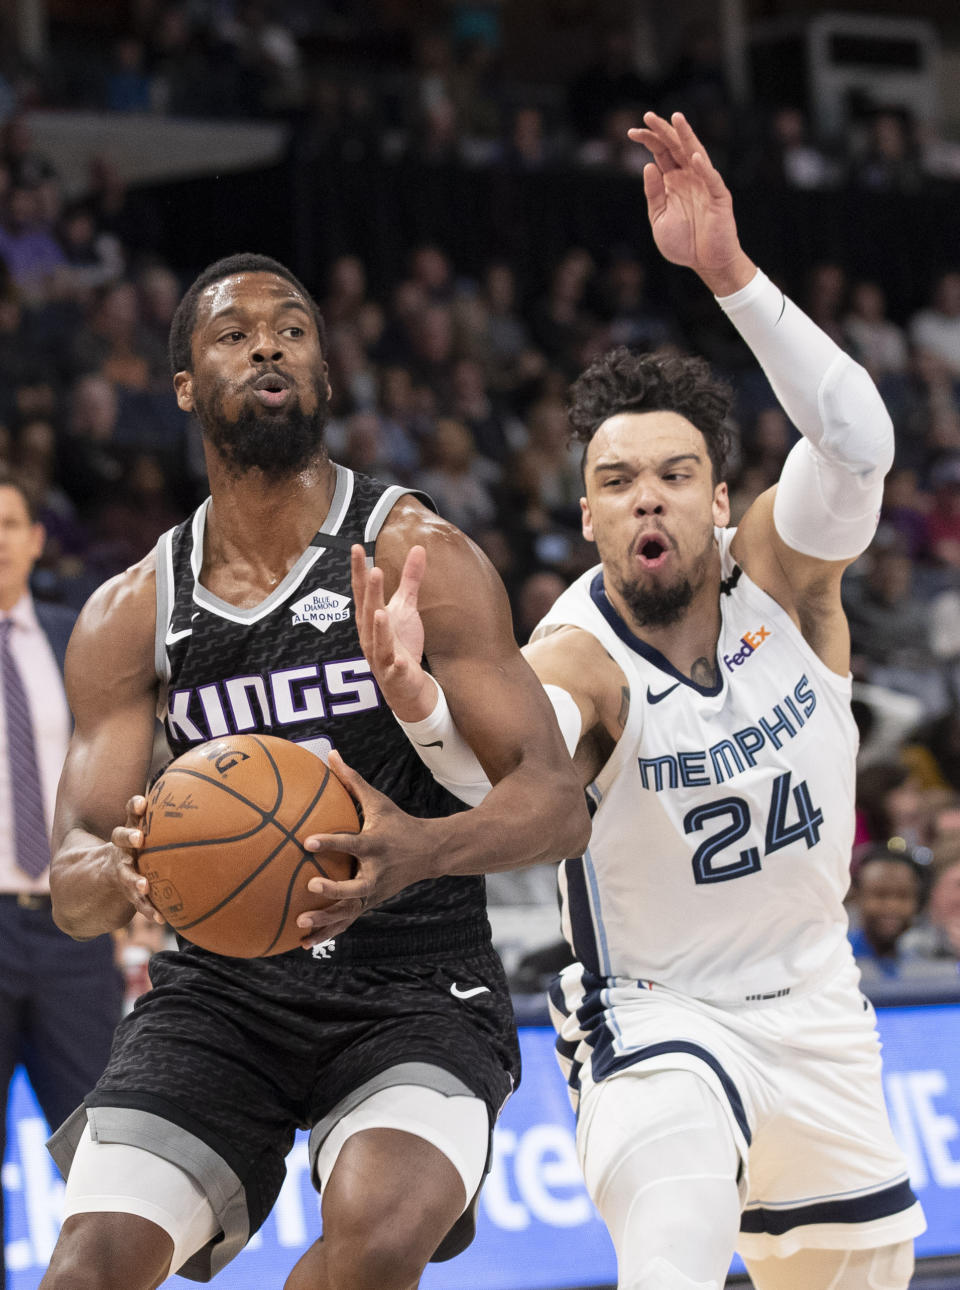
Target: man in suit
[60, 999]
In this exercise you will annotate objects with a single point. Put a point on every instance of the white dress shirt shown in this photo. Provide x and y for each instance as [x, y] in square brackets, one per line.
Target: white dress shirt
[51, 728]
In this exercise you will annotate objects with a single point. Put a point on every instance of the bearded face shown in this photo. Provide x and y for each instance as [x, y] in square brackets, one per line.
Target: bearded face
[278, 442]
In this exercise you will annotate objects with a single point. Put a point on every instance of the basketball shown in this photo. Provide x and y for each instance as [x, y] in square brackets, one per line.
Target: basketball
[223, 842]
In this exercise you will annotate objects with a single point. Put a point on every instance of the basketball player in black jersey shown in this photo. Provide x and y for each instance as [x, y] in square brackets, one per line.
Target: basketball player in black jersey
[389, 1034]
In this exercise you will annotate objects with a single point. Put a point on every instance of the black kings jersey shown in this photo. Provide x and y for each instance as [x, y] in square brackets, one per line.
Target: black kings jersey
[292, 666]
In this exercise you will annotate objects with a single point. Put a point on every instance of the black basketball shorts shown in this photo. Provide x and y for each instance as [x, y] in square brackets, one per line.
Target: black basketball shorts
[216, 1073]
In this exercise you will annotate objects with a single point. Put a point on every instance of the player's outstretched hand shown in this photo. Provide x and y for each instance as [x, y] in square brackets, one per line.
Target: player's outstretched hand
[126, 840]
[391, 634]
[390, 850]
[689, 205]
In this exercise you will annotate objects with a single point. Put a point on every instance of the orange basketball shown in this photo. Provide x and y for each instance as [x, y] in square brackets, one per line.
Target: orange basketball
[223, 842]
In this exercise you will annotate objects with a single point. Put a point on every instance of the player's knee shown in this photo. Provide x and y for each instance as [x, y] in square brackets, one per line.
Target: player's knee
[82, 1261]
[660, 1274]
[374, 1260]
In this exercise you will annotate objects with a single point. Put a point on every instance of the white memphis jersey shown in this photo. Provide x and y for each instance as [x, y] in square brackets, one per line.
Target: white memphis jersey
[724, 819]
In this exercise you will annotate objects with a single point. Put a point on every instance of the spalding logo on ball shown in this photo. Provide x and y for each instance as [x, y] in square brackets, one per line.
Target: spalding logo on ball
[223, 842]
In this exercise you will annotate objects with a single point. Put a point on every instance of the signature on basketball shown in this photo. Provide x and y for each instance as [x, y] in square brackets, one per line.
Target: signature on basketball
[173, 808]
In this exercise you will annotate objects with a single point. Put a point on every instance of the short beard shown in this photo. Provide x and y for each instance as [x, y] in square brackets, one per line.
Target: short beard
[277, 445]
[658, 606]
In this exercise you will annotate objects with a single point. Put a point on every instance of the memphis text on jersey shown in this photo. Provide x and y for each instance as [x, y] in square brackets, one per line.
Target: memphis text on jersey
[737, 753]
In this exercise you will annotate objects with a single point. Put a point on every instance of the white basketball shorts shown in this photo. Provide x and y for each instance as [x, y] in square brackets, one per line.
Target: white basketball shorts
[799, 1078]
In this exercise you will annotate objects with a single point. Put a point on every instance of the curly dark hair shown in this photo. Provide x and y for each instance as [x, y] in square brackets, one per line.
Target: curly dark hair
[185, 318]
[622, 381]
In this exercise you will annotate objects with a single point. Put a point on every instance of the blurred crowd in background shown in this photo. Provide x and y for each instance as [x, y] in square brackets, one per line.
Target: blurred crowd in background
[456, 383]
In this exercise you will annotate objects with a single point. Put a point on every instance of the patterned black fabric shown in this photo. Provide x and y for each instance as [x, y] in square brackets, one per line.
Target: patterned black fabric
[241, 1068]
[228, 675]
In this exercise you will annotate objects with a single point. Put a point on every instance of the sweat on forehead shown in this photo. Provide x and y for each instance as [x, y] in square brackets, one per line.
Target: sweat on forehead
[221, 296]
[216, 278]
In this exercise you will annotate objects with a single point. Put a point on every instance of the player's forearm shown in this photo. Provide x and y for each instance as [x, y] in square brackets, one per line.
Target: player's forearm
[830, 399]
[531, 816]
[87, 898]
[831, 487]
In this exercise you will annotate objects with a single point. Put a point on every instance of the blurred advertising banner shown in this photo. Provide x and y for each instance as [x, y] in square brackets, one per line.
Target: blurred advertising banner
[537, 1228]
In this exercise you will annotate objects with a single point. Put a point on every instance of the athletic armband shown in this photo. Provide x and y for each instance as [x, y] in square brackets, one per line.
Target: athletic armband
[828, 498]
[450, 759]
[446, 754]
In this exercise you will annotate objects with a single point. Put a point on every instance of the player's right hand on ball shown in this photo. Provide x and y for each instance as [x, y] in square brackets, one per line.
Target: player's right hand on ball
[127, 839]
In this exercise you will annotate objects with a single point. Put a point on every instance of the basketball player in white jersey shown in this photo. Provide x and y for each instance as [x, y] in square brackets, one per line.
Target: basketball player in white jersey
[724, 1064]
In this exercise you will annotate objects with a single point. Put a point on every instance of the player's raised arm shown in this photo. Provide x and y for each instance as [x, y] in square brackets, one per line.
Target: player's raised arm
[391, 634]
[536, 809]
[796, 539]
[111, 684]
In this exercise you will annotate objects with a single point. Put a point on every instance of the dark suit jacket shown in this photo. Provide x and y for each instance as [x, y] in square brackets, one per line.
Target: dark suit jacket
[57, 622]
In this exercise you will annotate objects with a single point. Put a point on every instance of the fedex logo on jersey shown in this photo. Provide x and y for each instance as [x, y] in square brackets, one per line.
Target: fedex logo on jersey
[321, 609]
[750, 642]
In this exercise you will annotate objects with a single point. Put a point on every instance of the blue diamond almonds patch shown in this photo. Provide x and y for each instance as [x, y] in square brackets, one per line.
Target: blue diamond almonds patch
[321, 609]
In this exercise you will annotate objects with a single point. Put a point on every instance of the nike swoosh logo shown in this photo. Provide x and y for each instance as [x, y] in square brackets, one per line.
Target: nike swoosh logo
[468, 994]
[438, 743]
[173, 637]
[655, 698]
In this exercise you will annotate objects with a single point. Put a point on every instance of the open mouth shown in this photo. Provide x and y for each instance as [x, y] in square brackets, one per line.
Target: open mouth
[271, 389]
[652, 551]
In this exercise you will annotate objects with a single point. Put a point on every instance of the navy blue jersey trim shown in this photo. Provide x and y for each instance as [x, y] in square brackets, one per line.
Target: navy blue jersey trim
[599, 597]
[606, 1063]
[555, 991]
[581, 922]
[854, 1209]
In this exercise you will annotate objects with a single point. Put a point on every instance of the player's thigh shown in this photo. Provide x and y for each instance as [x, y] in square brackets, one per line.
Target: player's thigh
[889, 1267]
[117, 1193]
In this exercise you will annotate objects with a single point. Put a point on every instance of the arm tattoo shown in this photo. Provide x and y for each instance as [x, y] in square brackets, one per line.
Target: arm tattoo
[704, 672]
[624, 707]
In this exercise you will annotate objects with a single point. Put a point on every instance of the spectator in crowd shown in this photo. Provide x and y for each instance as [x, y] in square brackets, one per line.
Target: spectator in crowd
[454, 478]
[939, 935]
[158, 293]
[29, 250]
[114, 342]
[92, 258]
[936, 329]
[93, 462]
[886, 897]
[609, 83]
[889, 627]
[535, 595]
[826, 298]
[631, 318]
[904, 511]
[128, 86]
[891, 161]
[879, 344]
[943, 517]
[60, 997]
[890, 803]
[789, 157]
[346, 291]
[560, 321]
[493, 431]
[28, 165]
